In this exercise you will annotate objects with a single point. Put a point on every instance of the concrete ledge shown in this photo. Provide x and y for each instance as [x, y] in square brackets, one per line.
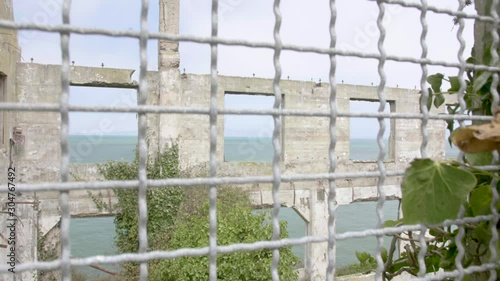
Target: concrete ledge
[299, 197]
[102, 77]
[80, 75]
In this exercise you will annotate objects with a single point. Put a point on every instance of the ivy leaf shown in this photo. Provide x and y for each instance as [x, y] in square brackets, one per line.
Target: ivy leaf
[436, 80]
[473, 101]
[438, 100]
[432, 263]
[429, 99]
[487, 55]
[479, 159]
[433, 192]
[363, 257]
[384, 255]
[455, 84]
[483, 233]
[391, 223]
[480, 200]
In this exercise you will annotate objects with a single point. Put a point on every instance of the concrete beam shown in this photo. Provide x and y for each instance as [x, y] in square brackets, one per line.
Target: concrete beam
[39, 74]
[102, 77]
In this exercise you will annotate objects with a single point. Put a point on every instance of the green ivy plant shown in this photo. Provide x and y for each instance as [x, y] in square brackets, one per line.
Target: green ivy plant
[478, 98]
[435, 191]
[432, 193]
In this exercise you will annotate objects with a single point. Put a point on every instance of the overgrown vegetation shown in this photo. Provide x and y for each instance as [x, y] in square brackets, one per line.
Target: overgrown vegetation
[163, 203]
[178, 218]
[98, 201]
[236, 224]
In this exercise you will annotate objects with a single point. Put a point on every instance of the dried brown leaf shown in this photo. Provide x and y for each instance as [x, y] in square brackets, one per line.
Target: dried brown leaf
[465, 139]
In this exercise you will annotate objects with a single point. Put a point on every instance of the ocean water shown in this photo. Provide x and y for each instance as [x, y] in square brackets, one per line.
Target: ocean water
[90, 237]
[95, 236]
[99, 149]
[248, 149]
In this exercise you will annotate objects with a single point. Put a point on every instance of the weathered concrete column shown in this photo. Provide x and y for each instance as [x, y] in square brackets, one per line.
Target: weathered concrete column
[169, 60]
[312, 206]
[317, 226]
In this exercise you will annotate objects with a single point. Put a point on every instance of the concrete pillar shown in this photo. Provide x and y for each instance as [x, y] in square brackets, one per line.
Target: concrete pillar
[169, 60]
[313, 207]
[316, 260]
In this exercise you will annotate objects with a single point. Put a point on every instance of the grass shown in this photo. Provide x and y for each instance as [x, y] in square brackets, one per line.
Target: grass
[355, 269]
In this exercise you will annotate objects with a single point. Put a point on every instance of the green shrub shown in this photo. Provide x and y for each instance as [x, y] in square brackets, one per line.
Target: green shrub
[178, 218]
[236, 224]
[163, 203]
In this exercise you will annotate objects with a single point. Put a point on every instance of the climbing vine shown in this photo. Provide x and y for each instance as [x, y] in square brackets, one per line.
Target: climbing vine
[435, 191]
[98, 201]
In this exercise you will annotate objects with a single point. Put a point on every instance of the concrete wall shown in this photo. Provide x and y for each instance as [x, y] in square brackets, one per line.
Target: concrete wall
[39, 158]
[9, 56]
[305, 139]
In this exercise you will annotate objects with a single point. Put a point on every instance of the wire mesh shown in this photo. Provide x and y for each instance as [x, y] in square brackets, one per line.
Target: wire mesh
[276, 179]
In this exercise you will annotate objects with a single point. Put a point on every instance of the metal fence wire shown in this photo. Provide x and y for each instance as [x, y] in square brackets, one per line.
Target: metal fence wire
[143, 183]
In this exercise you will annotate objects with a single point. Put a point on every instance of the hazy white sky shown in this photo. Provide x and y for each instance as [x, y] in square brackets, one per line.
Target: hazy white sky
[304, 23]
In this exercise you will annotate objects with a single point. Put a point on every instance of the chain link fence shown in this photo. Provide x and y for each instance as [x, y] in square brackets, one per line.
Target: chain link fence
[143, 183]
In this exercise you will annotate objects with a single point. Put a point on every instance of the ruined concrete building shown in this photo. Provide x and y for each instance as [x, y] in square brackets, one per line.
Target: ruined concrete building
[306, 140]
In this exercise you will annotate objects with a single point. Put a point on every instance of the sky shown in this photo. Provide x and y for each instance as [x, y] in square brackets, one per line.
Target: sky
[238, 125]
[304, 23]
